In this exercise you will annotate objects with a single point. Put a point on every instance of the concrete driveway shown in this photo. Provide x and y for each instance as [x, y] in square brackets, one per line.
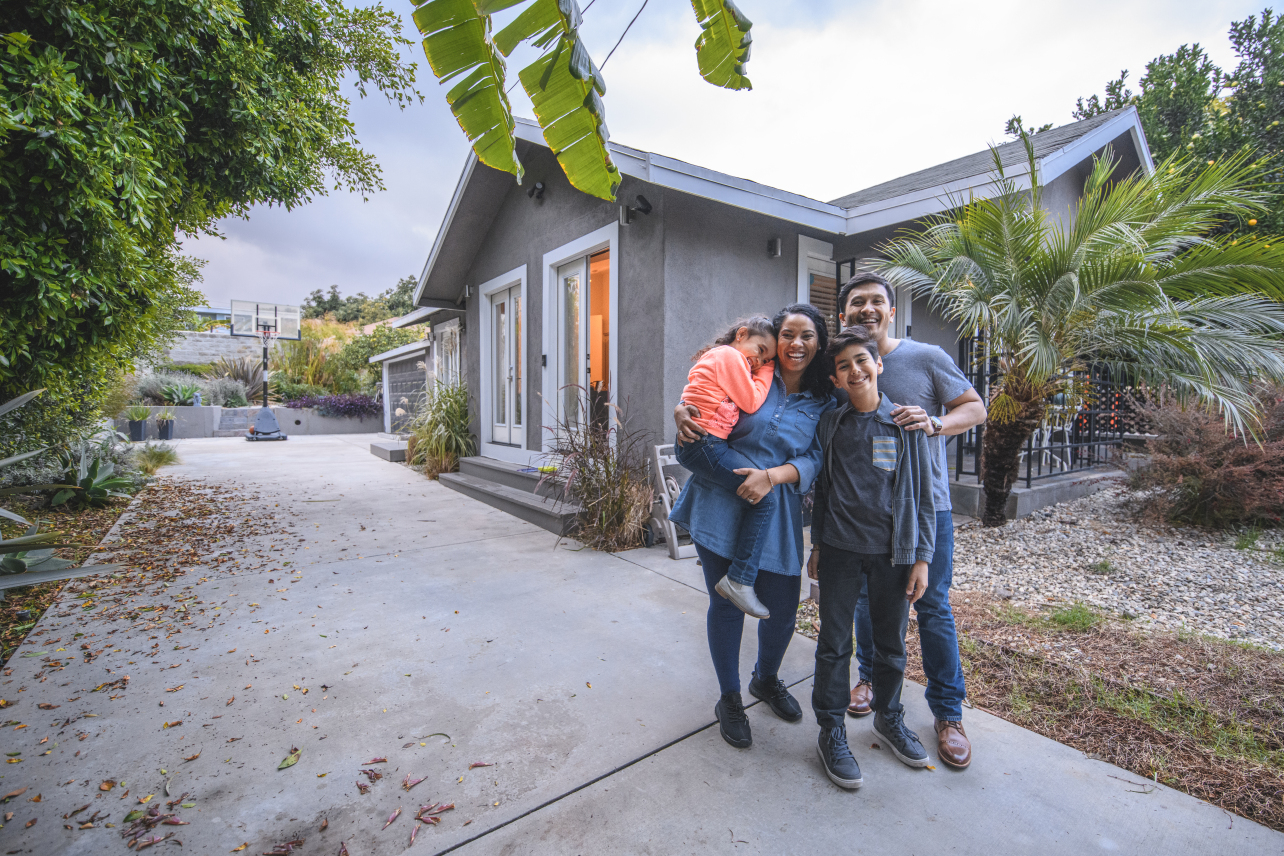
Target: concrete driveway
[437, 633]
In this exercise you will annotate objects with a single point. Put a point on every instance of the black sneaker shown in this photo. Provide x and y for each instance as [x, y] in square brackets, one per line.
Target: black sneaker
[773, 692]
[903, 742]
[732, 722]
[840, 766]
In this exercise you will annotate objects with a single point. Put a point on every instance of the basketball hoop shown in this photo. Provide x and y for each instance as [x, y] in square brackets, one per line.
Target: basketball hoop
[265, 322]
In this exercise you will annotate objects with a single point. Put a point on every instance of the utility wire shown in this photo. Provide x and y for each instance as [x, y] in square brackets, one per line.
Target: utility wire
[623, 34]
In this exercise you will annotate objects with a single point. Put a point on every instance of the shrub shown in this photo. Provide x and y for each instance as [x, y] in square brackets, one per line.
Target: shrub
[199, 369]
[340, 406]
[603, 469]
[439, 430]
[289, 391]
[151, 387]
[248, 370]
[1200, 473]
[226, 392]
[138, 413]
[101, 466]
[181, 394]
[150, 457]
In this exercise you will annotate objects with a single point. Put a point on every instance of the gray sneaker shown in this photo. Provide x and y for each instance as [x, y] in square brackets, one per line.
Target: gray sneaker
[903, 742]
[743, 597]
[840, 766]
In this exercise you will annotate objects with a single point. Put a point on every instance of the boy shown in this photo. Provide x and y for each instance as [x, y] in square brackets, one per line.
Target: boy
[874, 521]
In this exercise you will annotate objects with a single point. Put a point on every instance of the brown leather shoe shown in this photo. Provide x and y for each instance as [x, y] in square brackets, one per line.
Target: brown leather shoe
[862, 700]
[952, 744]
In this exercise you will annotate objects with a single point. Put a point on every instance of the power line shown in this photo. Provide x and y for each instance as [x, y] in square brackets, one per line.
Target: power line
[623, 34]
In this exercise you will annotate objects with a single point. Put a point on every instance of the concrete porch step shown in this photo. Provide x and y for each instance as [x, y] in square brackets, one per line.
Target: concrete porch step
[556, 517]
[229, 432]
[522, 478]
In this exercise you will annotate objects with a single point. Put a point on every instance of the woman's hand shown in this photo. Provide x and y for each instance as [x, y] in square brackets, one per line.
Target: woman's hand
[917, 585]
[813, 564]
[757, 484]
[688, 429]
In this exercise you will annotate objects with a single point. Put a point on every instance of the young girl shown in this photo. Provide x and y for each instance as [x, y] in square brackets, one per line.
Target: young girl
[732, 375]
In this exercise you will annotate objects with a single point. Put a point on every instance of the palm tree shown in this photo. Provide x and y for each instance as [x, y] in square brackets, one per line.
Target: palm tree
[1137, 280]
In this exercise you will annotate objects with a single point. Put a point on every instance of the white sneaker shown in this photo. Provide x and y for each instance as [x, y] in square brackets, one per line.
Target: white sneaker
[743, 597]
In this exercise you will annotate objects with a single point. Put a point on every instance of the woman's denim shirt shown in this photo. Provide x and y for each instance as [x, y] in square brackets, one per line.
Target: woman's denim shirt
[782, 431]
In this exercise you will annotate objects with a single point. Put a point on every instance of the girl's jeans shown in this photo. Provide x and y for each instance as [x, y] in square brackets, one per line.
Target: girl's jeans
[713, 459]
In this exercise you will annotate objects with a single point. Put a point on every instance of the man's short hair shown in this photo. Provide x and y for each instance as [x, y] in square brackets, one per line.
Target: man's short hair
[857, 334]
[864, 278]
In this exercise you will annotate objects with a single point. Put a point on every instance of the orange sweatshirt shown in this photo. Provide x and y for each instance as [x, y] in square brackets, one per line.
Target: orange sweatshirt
[720, 385]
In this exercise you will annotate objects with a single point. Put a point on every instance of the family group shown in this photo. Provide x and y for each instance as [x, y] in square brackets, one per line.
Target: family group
[776, 409]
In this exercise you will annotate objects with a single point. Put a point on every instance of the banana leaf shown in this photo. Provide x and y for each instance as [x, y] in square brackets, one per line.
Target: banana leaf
[457, 41]
[565, 88]
[722, 48]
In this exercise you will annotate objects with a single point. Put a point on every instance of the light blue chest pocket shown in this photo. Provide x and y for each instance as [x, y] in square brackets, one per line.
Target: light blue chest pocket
[885, 453]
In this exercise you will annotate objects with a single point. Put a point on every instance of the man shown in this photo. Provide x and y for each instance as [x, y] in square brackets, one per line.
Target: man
[934, 397]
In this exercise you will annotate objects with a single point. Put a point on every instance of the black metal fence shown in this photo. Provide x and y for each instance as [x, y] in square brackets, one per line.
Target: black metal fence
[1080, 432]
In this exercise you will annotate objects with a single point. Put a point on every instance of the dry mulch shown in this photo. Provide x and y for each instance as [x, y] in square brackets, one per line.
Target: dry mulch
[1197, 714]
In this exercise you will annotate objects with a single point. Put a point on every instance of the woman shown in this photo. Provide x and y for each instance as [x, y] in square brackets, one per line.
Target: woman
[780, 437]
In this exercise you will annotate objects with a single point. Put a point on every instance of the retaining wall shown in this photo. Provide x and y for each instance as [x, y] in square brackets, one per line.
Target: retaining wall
[194, 347]
[195, 422]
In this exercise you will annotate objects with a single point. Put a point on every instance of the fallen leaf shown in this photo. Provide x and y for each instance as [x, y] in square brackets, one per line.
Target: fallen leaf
[409, 783]
[36, 798]
[242, 847]
[343, 849]
[363, 788]
[233, 651]
[13, 794]
[325, 822]
[146, 799]
[107, 785]
[323, 775]
[173, 724]
[930, 767]
[229, 701]
[377, 761]
[414, 830]
[391, 818]
[44, 705]
[133, 815]
[289, 760]
[234, 739]
[31, 822]
[193, 757]
[875, 746]
[474, 765]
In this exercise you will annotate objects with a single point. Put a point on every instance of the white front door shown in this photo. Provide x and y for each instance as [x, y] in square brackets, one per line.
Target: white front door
[506, 366]
[583, 334]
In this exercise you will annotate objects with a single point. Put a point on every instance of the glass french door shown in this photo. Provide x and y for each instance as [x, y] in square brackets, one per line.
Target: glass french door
[506, 366]
[584, 340]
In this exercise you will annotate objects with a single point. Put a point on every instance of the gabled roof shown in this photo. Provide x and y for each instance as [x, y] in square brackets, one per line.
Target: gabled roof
[980, 163]
[919, 194]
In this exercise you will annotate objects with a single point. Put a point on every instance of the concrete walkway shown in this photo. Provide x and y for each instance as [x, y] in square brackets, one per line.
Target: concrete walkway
[583, 678]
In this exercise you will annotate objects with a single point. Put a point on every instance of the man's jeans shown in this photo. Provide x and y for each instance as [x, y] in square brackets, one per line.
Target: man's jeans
[937, 636]
[843, 575]
[712, 459]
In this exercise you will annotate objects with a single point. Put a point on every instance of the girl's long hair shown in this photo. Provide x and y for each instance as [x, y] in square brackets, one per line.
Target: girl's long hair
[815, 377]
[759, 325]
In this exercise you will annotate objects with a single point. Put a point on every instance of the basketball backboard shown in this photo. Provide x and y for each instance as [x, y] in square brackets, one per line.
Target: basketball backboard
[251, 318]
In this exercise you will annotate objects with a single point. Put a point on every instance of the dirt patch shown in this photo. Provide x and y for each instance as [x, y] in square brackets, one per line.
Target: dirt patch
[1198, 714]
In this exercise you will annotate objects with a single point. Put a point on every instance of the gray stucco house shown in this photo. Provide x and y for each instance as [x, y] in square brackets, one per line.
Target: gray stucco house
[546, 287]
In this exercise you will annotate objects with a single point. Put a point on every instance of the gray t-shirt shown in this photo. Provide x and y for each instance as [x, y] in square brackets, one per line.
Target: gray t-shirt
[924, 376]
[860, 497]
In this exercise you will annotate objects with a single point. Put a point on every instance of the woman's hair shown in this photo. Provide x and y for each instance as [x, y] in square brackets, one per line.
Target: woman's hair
[815, 377]
[758, 325]
[857, 334]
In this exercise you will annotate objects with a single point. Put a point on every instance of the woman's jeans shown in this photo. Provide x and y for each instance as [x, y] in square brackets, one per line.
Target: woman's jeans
[725, 622]
[714, 460]
[937, 636]
[845, 576]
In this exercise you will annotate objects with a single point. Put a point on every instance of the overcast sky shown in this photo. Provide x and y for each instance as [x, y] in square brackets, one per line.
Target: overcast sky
[846, 95]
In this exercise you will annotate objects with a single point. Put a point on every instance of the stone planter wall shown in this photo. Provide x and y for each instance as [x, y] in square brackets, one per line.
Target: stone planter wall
[194, 422]
[308, 421]
[188, 422]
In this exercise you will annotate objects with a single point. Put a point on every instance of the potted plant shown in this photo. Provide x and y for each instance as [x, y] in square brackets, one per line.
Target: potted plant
[165, 423]
[137, 415]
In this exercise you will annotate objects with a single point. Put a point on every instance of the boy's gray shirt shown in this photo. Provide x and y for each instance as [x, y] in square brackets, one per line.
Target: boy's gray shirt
[924, 376]
[914, 509]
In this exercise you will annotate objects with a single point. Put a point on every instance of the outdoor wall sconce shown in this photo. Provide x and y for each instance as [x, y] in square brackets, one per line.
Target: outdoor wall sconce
[536, 192]
[626, 212]
[773, 248]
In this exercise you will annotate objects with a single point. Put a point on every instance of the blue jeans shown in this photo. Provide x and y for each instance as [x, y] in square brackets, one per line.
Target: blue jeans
[725, 623]
[712, 459]
[937, 636]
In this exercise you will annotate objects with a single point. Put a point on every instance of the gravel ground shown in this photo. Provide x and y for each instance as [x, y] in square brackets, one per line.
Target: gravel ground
[1094, 550]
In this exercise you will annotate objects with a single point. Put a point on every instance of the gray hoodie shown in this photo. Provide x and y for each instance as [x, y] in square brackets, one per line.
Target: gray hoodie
[914, 511]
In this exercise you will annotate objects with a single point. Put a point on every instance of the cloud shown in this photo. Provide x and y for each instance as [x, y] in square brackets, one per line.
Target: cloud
[846, 95]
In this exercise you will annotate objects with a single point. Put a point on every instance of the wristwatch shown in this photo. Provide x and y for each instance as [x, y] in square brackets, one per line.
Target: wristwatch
[937, 426]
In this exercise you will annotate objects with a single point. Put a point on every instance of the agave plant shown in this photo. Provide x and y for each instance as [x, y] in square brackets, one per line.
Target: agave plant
[90, 474]
[19, 558]
[564, 85]
[30, 538]
[181, 394]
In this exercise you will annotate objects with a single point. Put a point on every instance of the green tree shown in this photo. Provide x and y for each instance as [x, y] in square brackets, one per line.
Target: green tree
[393, 303]
[1135, 281]
[1190, 106]
[124, 126]
[356, 353]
